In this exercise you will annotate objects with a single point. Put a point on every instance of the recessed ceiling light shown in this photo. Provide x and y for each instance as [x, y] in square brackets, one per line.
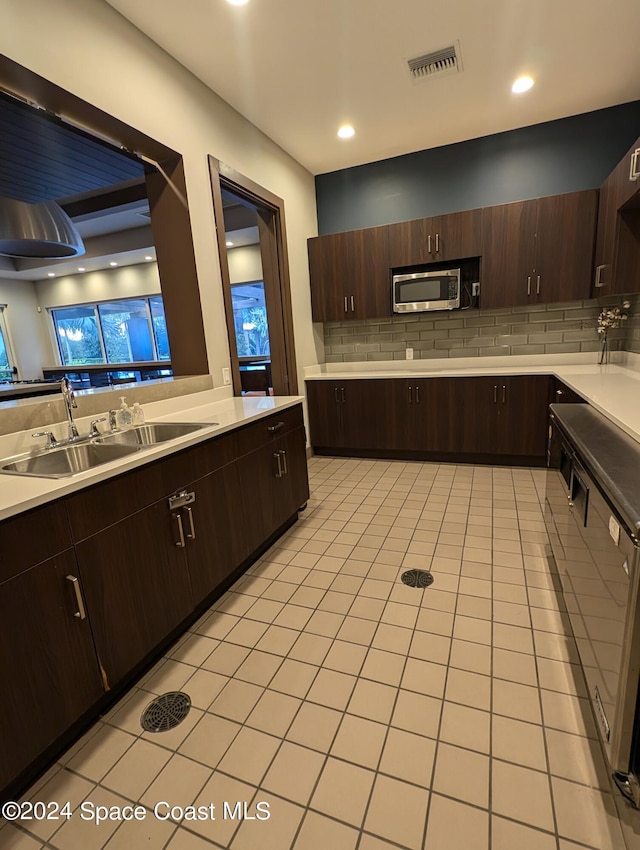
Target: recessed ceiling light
[522, 84]
[113, 264]
[346, 131]
[51, 274]
[81, 269]
[229, 244]
[147, 258]
[238, 2]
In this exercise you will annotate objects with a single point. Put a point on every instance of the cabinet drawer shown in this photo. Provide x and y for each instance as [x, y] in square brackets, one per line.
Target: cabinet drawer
[104, 504]
[32, 537]
[260, 433]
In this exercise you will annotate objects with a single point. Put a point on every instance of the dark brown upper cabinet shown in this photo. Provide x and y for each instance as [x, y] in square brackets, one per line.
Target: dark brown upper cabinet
[431, 240]
[617, 255]
[538, 251]
[349, 274]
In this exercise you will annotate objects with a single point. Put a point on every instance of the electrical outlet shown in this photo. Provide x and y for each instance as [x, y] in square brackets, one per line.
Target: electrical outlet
[226, 376]
[475, 288]
[409, 353]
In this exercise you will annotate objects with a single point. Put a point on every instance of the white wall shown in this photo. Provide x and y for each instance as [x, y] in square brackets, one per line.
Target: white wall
[86, 47]
[245, 264]
[105, 285]
[27, 336]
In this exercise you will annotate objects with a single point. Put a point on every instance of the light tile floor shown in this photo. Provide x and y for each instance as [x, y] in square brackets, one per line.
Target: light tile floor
[367, 714]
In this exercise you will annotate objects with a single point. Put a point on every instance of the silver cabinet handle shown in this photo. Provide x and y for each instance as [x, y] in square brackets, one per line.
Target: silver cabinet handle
[279, 462]
[343, 396]
[345, 304]
[559, 392]
[495, 394]
[191, 534]
[335, 389]
[634, 172]
[81, 613]
[180, 541]
[598, 282]
[352, 307]
[410, 395]
[538, 285]
[437, 243]
[504, 393]
[285, 468]
[418, 387]
[529, 285]
[273, 428]
[429, 243]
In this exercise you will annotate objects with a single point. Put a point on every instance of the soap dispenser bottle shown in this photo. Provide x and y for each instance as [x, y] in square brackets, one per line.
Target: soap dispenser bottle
[124, 417]
[138, 414]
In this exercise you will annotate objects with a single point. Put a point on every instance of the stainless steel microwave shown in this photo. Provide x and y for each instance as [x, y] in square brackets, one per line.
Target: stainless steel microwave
[421, 291]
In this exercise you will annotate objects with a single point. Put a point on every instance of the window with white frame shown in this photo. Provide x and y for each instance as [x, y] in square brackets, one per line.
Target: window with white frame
[7, 360]
[124, 331]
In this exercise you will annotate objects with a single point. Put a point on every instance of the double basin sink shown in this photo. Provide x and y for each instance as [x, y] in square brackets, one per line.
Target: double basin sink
[84, 455]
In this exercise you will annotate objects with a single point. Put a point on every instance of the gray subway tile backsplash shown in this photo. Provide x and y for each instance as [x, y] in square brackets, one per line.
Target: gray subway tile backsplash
[534, 329]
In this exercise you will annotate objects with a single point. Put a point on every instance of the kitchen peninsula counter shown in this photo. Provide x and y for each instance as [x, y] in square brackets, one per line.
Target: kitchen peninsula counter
[20, 493]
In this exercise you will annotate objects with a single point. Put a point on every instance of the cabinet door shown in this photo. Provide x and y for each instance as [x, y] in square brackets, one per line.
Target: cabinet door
[327, 278]
[136, 584]
[476, 400]
[508, 254]
[605, 239]
[263, 508]
[47, 662]
[364, 406]
[458, 235]
[523, 416]
[368, 275]
[215, 539]
[349, 275]
[412, 243]
[324, 401]
[292, 488]
[565, 236]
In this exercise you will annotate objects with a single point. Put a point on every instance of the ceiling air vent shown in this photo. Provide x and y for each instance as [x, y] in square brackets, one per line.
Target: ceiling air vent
[434, 64]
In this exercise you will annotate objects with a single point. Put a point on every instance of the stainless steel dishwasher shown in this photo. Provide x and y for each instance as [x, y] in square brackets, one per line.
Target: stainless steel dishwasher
[593, 518]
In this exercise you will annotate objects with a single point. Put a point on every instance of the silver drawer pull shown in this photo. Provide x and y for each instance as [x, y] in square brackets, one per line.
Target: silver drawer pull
[273, 428]
[81, 613]
[279, 463]
[180, 541]
[191, 534]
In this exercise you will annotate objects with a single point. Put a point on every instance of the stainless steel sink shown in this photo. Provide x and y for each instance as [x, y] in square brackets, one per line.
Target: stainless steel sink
[66, 460]
[151, 433]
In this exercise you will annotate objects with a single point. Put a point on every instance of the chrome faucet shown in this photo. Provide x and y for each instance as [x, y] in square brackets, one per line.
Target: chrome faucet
[70, 403]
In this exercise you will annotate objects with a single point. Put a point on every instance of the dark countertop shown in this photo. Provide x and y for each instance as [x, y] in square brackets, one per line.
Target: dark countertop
[610, 455]
[27, 390]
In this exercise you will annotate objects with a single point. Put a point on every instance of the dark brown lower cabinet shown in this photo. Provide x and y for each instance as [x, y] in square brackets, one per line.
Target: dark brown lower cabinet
[449, 417]
[149, 548]
[274, 484]
[215, 542]
[136, 583]
[48, 664]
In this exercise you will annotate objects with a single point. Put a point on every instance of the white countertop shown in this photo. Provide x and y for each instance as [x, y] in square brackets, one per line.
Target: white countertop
[613, 390]
[20, 493]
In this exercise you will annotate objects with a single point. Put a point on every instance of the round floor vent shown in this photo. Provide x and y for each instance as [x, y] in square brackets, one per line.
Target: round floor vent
[165, 712]
[417, 578]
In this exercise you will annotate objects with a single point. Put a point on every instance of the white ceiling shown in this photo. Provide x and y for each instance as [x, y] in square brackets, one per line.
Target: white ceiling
[298, 70]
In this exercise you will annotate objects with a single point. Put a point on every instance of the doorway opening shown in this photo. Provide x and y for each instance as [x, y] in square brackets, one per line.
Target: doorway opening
[255, 278]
